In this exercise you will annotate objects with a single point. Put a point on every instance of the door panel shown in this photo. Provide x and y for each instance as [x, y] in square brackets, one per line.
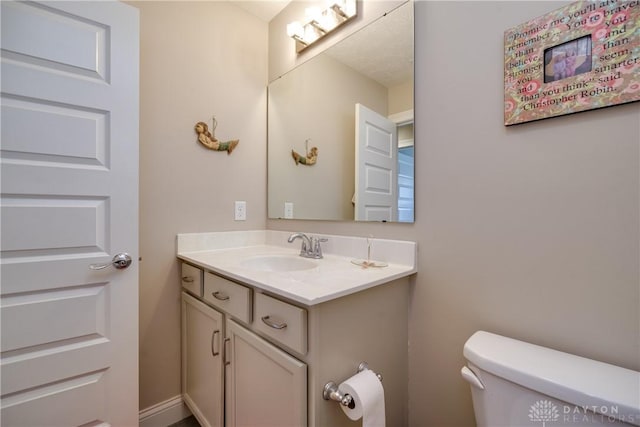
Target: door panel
[69, 194]
[265, 385]
[69, 402]
[37, 31]
[202, 373]
[77, 312]
[51, 363]
[87, 145]
[53, 224]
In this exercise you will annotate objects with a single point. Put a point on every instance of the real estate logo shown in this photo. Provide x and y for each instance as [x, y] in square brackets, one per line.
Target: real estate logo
[543, 411]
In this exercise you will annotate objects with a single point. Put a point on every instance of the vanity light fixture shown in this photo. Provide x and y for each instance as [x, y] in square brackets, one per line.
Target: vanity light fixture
[321, 22]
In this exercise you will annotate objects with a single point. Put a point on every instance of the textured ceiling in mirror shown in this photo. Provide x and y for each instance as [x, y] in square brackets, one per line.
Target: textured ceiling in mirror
[383, 53]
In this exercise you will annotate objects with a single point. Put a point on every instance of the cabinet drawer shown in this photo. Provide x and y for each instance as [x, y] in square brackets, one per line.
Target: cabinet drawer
[281, 321]
[228, 296]
[192, 279]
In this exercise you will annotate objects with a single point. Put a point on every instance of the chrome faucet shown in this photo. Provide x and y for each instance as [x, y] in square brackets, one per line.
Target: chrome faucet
[306, 242]
[311, 247]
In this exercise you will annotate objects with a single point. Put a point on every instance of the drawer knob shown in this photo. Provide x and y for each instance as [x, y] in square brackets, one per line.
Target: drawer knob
[266, 320]
[220, 296]
[187, 279]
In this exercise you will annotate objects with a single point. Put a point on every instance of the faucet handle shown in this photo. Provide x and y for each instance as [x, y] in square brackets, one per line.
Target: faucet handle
[317, 248]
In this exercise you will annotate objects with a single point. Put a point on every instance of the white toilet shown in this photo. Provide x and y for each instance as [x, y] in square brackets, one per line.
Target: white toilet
[515, 384]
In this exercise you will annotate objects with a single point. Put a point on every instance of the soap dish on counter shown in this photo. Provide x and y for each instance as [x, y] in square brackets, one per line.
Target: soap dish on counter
[368, 263]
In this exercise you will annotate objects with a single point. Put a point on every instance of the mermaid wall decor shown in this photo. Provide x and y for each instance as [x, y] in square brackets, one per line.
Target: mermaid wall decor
[309, 159]
[208, 139]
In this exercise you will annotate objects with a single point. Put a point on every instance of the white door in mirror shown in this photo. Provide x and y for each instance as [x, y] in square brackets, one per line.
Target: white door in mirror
[376, 167]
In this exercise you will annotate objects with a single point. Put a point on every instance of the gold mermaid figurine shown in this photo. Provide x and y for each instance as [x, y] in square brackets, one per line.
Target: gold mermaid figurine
[309, 160]
[205, 138]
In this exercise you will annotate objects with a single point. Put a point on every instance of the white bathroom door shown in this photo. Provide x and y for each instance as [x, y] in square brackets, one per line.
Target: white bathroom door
[376, 167]
[69, 199]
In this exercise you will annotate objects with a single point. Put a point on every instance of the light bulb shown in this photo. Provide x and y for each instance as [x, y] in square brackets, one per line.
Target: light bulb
[349, 8]
[313, 13]
[295, 30]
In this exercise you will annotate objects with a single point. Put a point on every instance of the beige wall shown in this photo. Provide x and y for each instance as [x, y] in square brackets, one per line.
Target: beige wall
[529, 231]
[401, 98]
[198, 59]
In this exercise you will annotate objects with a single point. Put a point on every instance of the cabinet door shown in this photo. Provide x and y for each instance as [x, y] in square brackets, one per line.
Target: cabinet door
[265, 385]
[202, 369]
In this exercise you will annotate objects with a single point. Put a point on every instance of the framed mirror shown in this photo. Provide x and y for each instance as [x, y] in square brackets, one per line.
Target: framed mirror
[340, 129]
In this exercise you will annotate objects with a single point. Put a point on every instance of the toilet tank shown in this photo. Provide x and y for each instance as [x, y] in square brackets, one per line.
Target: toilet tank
[515, 383]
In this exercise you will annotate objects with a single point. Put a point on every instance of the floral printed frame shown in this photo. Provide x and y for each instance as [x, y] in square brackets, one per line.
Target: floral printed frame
[580, 57]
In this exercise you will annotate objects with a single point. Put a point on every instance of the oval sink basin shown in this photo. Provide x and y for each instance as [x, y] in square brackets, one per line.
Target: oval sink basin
[278, 263]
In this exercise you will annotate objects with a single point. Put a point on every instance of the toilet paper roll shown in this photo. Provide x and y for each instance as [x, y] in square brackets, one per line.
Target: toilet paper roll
[368, 395]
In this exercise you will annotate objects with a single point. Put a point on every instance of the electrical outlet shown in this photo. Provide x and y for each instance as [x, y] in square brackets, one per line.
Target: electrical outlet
[288, 210]
[240, 211]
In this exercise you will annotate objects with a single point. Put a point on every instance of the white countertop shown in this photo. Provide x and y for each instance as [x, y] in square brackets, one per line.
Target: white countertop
[333, 276]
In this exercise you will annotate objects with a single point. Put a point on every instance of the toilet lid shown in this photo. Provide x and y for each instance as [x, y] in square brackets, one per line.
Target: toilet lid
[573, 379]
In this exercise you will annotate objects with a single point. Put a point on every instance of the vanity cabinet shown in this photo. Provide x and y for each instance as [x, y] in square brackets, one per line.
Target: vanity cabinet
[239, 355]
[225, 364]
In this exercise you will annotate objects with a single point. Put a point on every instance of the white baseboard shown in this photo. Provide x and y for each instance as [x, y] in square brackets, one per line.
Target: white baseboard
[164, 413]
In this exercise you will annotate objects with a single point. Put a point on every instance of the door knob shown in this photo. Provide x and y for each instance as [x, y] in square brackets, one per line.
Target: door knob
[120, 261]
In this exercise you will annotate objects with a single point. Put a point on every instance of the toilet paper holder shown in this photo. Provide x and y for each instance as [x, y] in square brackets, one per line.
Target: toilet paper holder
[332, 392]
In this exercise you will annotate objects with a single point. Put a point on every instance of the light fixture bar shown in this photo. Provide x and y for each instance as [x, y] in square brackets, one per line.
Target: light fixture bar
[315, 24]
[299, 39]
[337, 9]
[322, 23]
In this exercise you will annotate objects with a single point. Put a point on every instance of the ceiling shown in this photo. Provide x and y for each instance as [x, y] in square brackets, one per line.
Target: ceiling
[266, 10]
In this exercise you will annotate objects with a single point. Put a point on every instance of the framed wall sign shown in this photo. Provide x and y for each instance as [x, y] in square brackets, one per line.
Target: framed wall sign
[583, 56]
